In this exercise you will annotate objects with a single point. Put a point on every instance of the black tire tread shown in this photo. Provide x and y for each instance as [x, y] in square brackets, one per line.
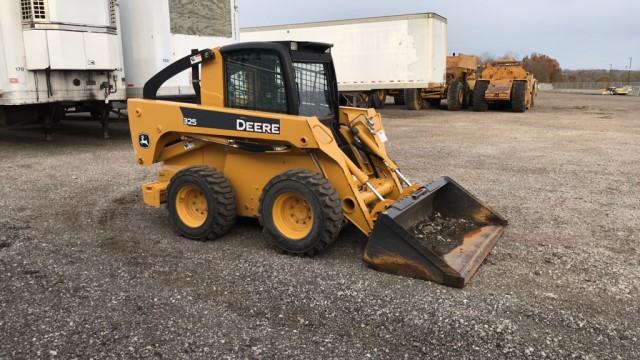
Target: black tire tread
[479, 102]
[223, 195]
[519, 96]
[453, 103]
[412, 99]
[329, 200]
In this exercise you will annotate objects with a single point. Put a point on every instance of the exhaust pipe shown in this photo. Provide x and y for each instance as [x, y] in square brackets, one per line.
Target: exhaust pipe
[440, 233]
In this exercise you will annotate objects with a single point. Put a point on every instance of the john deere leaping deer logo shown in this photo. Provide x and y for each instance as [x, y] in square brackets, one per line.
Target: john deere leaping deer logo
[143, 141]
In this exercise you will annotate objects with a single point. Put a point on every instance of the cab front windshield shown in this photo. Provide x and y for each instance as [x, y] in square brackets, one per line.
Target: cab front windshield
[315, 94]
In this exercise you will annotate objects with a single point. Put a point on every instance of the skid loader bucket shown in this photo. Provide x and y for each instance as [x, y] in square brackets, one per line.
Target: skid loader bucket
[440, 233]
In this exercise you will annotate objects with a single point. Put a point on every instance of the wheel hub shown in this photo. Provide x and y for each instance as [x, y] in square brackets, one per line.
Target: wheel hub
[292, 216]
[192, 206]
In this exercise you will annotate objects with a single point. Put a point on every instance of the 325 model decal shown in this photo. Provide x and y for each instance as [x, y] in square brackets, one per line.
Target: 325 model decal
[226, 121]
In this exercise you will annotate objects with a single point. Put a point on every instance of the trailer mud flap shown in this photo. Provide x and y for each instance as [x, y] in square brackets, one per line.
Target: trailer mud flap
[440, 233]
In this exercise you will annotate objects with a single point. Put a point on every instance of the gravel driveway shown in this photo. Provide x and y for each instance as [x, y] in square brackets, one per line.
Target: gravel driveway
[87, 271]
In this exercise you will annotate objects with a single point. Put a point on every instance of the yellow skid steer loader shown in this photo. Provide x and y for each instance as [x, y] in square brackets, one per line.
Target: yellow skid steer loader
[264, 137]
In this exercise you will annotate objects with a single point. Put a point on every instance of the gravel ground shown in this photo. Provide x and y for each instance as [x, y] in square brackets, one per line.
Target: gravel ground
[87, 271]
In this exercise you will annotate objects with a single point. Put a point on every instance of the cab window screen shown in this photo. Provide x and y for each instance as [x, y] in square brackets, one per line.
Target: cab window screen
[314, 91]
[254, 81]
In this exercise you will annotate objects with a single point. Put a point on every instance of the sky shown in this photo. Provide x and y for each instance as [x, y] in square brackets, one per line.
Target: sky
[581, 34]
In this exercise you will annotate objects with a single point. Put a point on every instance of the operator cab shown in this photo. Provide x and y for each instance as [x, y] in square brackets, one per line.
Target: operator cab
[296, 78]
[288, 77]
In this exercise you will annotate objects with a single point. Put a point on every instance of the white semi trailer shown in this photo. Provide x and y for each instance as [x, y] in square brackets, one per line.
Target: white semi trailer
[63, 56]
[158, 32]
[59, 56]
[404, 56]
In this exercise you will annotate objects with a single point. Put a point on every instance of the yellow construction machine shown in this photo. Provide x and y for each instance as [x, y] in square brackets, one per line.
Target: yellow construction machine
[612, 90]
[264, 137]
[461, 80]
[505, 82]
[458, 91]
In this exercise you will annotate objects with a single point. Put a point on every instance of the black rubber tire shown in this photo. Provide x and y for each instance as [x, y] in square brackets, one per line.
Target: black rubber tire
[412, 99]
[377, 99]
[221, 202]
[455, 95]
[325, 206]
[468, 97]
[399, 98]
[519, 96]
[479, 102]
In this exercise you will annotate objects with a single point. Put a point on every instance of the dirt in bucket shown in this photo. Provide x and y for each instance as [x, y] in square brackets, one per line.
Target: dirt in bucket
[441, 234]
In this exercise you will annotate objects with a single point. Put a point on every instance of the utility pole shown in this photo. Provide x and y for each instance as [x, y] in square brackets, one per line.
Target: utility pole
[629, 75]
[609, 77]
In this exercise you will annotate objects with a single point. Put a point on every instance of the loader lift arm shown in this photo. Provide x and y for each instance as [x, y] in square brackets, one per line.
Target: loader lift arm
[193, 61]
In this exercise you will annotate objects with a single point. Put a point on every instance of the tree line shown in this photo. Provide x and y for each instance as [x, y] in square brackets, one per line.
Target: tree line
[548, 70]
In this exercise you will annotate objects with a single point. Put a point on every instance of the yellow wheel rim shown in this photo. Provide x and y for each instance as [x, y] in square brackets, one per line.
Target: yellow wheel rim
[191, 206]
[292, 216]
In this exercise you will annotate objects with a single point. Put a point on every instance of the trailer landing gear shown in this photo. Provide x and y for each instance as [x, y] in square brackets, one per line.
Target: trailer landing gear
[104, 121]
[51, 117]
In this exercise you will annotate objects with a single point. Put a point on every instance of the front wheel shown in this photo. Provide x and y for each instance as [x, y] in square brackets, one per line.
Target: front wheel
[455, 95]
[413, 99]
[479, 101]
[300, 212]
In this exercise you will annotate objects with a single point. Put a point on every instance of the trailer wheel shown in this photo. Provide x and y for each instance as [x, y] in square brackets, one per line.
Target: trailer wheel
[519, 96]
[413, 99]
[455, 95]
[300, 212]
[378, 98]
[479, 101]
[398, 99]
[201, 203]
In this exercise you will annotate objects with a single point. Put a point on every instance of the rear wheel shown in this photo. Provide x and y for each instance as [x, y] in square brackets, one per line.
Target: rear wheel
[413, 99]
[455, 95]
[468, 97]
[519, 96]
[378, 98]
[300, 212]
[201, 203]
[479, 101]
